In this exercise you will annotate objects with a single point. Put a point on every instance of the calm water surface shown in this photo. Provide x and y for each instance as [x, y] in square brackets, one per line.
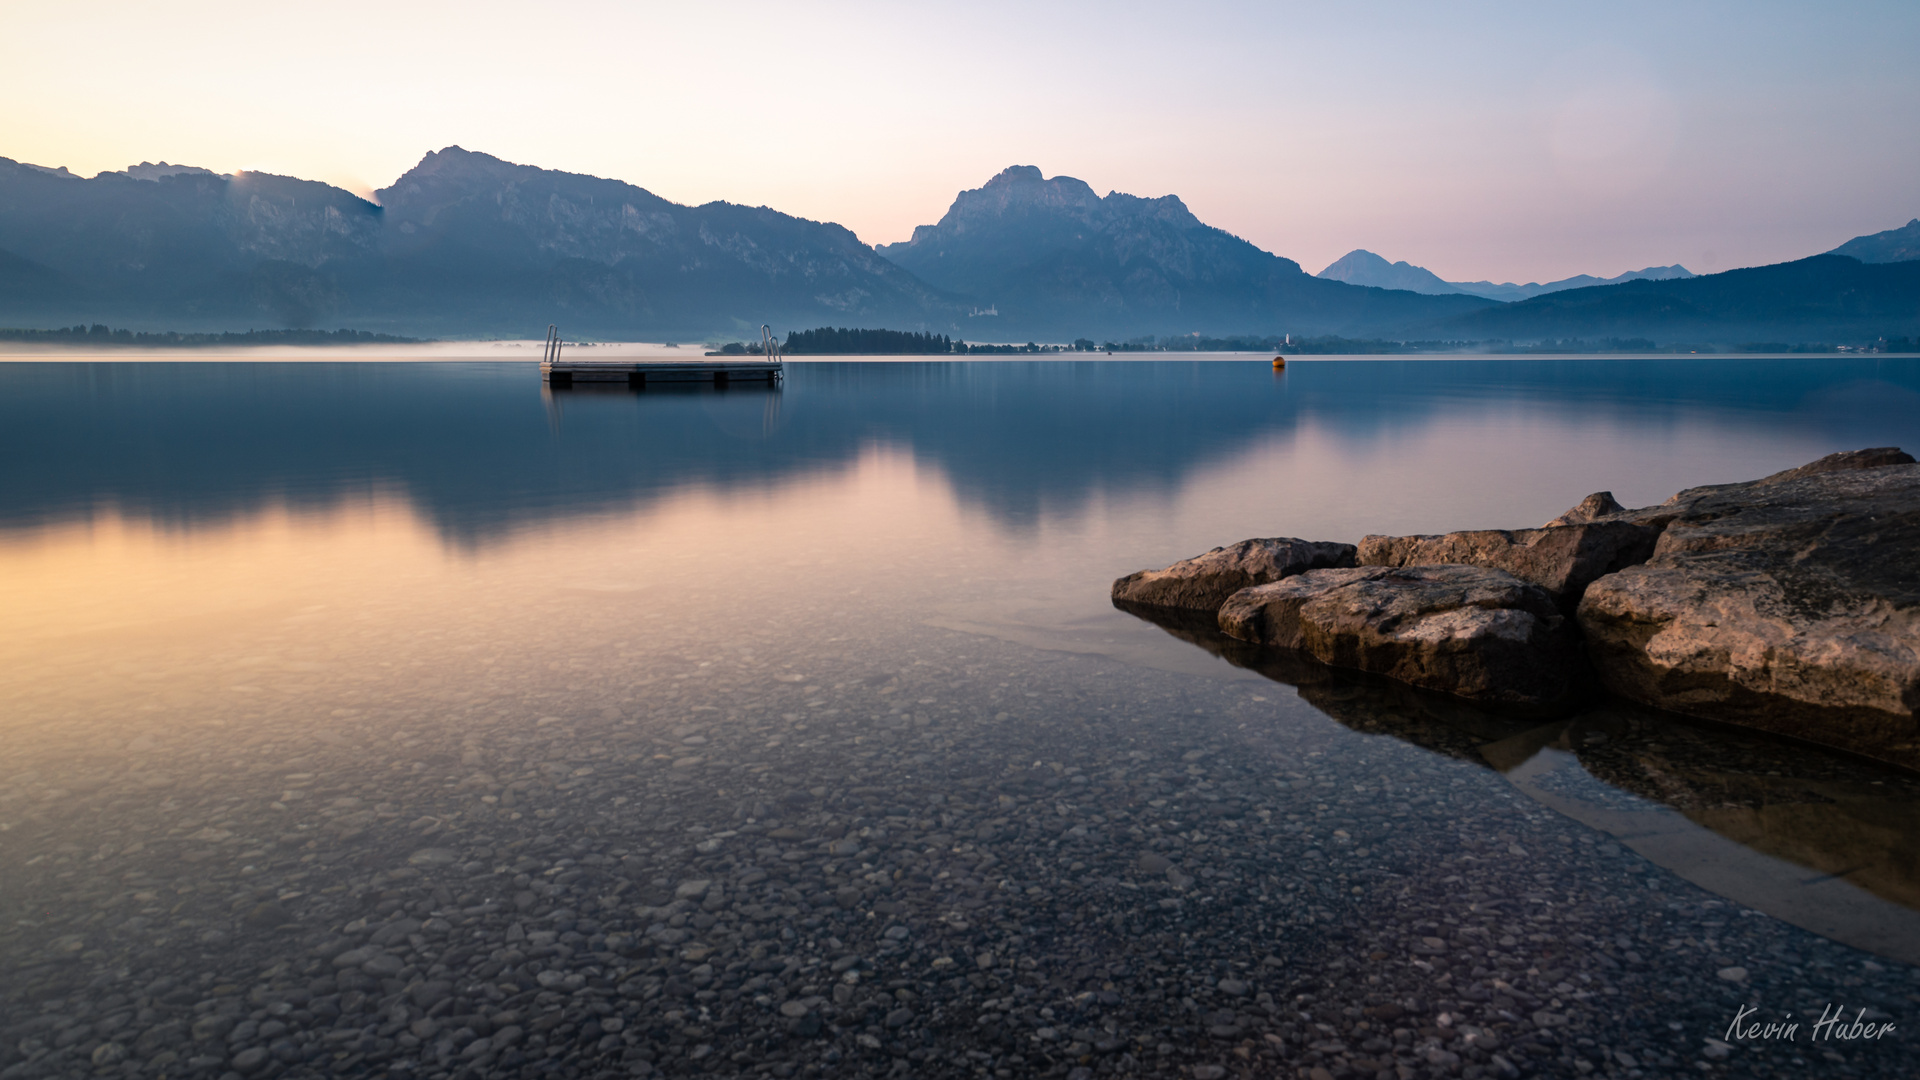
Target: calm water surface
[404, 719]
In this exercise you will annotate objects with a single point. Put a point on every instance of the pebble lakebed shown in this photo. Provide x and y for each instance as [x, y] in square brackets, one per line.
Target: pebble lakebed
[912, 853]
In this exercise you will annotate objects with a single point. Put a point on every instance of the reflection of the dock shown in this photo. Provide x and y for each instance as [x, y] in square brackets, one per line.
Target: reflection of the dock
[729, 396]
[1816, 838]
[682, 388]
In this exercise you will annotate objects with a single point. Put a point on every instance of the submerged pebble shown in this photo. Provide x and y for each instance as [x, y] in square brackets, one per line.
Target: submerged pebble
[947, 856]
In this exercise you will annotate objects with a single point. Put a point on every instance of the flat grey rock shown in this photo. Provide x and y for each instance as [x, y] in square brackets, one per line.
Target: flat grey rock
[1204, 582]
[1470, 631]
[1790, 604]
[353, 958]
[1684, 504]
[1592, 508]
[1562, 559]
[1844, 461]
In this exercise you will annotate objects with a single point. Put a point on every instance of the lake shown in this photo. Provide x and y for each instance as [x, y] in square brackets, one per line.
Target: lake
[411, 719]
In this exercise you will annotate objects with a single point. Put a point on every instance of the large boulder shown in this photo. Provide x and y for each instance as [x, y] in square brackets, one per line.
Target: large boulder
[1474, 632]
[1844, 461]
[1562, 559]
[1592, 508]
[1680, 506]
[1203, 582]
[1790, 604]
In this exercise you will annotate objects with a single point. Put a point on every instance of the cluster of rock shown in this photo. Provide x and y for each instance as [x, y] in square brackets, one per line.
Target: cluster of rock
[1789, 603]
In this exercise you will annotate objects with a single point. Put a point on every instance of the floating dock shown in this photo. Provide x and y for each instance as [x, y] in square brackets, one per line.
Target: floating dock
[767, 368]
[643, 372]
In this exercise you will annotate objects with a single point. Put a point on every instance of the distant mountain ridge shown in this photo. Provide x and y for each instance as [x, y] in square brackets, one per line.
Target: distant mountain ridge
[1049, 256]
[539, 243]
[1509, 292]
[199, 247]
[1894, 245]
[1821, 298]
[462, 244]
[468, 245]
[1363, 267]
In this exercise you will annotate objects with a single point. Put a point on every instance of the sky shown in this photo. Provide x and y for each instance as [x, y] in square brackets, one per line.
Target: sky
[1509, 142]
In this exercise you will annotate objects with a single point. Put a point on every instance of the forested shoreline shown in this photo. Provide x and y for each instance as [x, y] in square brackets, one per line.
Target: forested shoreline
[842, 341]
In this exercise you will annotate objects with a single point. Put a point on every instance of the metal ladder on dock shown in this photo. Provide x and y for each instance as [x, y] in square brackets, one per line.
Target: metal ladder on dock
[552, 353]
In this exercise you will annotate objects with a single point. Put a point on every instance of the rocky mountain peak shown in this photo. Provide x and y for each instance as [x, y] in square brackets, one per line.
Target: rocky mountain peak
[451, 168]
[1894, 245]
[1363, 267]
[1016, 174]
[1047, 255]
[1021, 189]
[1167, 208]
[504, 206]
[28, 166]
[148, 170]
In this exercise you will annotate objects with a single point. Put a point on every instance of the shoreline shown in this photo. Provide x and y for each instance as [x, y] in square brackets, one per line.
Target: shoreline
[199, 353]
[1776, 604]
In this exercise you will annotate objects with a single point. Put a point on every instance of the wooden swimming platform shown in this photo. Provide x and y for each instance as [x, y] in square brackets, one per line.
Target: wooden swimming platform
[643, 372]
[767, 368]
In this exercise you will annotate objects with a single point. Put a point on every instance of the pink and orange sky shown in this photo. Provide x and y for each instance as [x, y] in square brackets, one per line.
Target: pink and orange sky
[1503, 141]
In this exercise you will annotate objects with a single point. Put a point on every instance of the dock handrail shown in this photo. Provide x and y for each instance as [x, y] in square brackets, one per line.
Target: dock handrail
[552, 353]
[768, 344]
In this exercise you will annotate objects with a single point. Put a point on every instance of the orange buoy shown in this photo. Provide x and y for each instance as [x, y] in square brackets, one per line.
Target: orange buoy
[1279, 361]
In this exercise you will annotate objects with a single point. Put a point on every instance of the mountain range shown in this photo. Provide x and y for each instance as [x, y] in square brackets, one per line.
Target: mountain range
[1894, 245]
[463, 244]
[468, 245]
[1052, 257]
[1363, 267]
[1821, 298]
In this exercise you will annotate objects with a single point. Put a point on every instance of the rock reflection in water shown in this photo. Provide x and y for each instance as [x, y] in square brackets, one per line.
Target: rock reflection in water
[1852, 822]
[1365, 703]
[1836, 814]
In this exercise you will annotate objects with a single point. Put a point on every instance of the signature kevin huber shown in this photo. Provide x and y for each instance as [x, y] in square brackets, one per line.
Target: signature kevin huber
[1833, 1026]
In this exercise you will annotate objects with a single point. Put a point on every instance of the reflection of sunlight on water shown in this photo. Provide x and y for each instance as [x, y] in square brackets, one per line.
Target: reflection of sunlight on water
[884, 530]
[115, 585]
[114, 573]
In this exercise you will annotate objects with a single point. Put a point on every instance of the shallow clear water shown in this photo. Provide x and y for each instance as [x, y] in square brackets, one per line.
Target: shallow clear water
[292, 652]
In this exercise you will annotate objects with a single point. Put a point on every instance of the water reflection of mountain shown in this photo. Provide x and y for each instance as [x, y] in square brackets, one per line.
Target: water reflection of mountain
[478, 450]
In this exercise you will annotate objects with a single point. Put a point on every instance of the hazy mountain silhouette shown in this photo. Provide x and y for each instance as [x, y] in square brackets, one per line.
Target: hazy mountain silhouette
[190, 247]
[1822, 298]
[1362, 267]
[1894, 245]
[463, 243]
[1509, 292]
[499, 245]
[1048, 256]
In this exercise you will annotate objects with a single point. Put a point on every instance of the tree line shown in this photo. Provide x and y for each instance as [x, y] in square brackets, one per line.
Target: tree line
[845, 341]
[840, 341]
